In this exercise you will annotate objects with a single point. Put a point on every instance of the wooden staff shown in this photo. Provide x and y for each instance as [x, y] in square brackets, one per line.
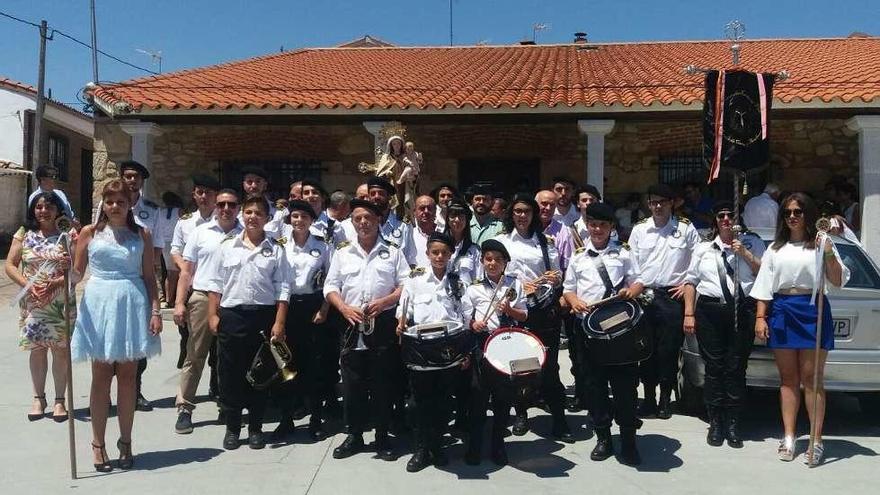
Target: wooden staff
[822, 225]
[64, 227]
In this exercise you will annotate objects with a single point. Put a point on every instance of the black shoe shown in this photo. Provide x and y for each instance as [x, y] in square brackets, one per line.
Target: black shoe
[184, 423]
[648, 407]
[439, 457]
[664, 407]
[576, 405]
[629, 454]
[105, 466]
[255, 440]
[520, 424]
[352, 445]
[221, 417]
[284, 430]
[420, 460]
[230, 441]
[731, 432]
[300, 413]
[143, 404]
[715, 436]
[316, 431]
[604, 448]
[561, 431]
[126, 460]
[384, 448]
[499, 453]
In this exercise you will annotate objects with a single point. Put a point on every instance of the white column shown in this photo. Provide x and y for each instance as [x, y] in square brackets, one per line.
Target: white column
[373, 127]
[142, 134]
[596, 130]
[868, 127]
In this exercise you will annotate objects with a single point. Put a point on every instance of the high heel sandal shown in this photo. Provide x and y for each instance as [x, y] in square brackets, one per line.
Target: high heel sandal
[817, 456]
[785, 451]
[59, 418]
[41, 415]
[126, 460]
[105, 466]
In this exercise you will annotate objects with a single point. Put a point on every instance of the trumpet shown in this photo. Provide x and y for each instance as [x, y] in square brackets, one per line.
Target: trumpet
[509, 294]
[284, 360]
[367, 325]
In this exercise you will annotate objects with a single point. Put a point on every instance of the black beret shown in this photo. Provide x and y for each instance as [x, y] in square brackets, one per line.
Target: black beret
[362, 203]
[441, 237]
[722, 205]
[251, 170]
[206, 181]
[380, 182]
[313, 183]
[562, 179]
[300, 205]
[591, 190]
[663, 190]
[483, 189]
[458, 204]
[133, 165]
[495, 245]
[527, 199]
[601, 212]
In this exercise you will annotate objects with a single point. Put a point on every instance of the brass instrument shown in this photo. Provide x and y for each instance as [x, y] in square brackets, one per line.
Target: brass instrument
[266, 371]
[366, 326]
[509, 294]
[284, 360]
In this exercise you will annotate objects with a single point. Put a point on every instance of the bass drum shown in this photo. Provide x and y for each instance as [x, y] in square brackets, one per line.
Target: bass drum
[436, 346]
[514, 359]
[616, 334]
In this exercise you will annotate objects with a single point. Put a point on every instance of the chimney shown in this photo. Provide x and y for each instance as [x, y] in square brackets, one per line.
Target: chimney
[580, 38]
[527, 42]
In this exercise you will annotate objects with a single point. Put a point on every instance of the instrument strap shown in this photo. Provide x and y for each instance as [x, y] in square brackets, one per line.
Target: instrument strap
[542, 241]
[720, 263]
[606, 279]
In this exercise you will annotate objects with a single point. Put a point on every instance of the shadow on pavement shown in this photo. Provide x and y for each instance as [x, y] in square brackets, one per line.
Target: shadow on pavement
[658, 452]
[837, 450]
[149, 461]
[530, 456]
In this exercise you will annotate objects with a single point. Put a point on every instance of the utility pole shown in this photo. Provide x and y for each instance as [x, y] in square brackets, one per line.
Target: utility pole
[450, 22]
[41, 102]
[94, 45]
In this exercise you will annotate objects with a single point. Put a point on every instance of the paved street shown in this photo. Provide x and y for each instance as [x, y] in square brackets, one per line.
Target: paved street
[677, 459]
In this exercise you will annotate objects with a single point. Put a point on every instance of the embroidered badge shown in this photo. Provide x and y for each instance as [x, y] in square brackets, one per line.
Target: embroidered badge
[266, 251]
[384, 254]
[143, 214]
[315, 253]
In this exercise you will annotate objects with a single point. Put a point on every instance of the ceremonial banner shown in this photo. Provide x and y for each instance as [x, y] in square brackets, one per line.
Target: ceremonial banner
[735, 120]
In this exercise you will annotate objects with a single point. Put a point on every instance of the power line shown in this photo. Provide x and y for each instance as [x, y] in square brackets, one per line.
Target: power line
[80, 42]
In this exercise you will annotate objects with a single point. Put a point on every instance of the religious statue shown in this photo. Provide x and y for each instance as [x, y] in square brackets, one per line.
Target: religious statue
[400, 164]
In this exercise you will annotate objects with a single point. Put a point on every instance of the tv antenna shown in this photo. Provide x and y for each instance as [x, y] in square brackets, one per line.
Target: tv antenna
[538, 26]
[155, 56]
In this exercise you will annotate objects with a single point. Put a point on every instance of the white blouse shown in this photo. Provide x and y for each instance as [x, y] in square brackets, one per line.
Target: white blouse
[703, 270]
[791, 267]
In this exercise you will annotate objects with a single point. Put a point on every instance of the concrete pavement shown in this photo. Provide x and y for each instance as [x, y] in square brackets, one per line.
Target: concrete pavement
[34, 456]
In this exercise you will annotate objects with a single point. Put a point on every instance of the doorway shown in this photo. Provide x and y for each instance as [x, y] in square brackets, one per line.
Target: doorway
[508, 176]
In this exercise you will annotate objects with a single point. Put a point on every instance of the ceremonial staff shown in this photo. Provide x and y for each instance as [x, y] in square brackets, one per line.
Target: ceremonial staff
[823, 225]
[63, 224]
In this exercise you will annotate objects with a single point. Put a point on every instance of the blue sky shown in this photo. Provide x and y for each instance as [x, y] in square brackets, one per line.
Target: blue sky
[192, 33]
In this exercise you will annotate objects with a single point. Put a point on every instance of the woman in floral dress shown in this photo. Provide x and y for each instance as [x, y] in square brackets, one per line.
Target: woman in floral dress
[37, 257]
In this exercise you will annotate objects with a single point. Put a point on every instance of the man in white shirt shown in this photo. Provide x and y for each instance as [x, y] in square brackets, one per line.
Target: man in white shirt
[442, 195]
[566, 212]
[253, 182]
[426, 213]
[762, 211]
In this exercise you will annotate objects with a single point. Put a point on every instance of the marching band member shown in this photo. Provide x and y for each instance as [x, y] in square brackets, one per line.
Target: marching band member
[708, 312]
[565, 211]
[662, 247]
[313, 346]
[249, 288]
[585, 283]
[254, 181]
[200, 247]
[363, 284]
[483, 319]
[535, 260]
[425, 217]
[431, 295]
[787, 319]
[465, 259]
[392, 229]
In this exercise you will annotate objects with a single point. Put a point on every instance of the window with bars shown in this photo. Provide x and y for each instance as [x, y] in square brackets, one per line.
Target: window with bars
[59, 156]
[678, 169]
[281, 173]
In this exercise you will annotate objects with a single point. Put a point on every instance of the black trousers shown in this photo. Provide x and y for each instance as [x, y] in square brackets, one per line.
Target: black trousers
[725, 351]
[486, 384]
[665, 317]
[551, 389]
[309, 343]
[577, 353]
[370, 378]
[240, 336]
[432, 391]
[624, 381]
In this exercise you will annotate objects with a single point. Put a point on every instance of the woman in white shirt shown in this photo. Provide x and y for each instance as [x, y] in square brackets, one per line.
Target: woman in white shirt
[465, 259]
[787, 318]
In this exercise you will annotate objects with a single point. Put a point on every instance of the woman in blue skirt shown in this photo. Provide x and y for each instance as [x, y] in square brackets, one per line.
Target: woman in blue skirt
[786, 315]
[118, 320]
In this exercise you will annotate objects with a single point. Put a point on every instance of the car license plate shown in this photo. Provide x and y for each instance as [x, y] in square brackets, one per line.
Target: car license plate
[842, 328]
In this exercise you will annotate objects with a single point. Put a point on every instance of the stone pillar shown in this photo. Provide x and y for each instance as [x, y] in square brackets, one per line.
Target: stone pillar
[868, 127]
[596, 130]
[142, 134]
[373, 127]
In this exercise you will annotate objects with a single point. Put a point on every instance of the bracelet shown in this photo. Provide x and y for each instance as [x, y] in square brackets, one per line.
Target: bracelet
[156, 312]
[828, 254]
[688, 316]
[760, 317]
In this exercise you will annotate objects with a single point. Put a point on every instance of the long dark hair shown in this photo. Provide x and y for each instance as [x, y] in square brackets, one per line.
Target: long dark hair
[116, 186]
[466, 240]
[31, 222]
[535, 224]
[811, 214]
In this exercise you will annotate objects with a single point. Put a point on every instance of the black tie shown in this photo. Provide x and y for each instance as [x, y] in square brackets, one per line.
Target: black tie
[592, 253]
[329, 234]
[727, 267]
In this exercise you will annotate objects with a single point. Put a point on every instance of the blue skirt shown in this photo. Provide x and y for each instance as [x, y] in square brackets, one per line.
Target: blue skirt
[792, 323]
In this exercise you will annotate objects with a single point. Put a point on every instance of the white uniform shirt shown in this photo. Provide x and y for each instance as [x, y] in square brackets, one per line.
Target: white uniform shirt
[250, 276]
[165, 224]
[393, 230]
[478, 295]
[663, 254]
[420, 246]
[146, 214]
[582, 275]
[467, 265]
[703, 271]
[791, 267]
[319, 229]
[526, 258]
[202, 247]
[360, 277]
[275, 223]
[761, 212]
[440, 220]
[567, 218]
[185, 227]
[309, 262]
[427, 299]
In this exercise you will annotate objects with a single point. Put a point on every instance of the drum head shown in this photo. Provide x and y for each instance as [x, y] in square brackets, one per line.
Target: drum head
[436, 330]
[612, 319]
[508, 346]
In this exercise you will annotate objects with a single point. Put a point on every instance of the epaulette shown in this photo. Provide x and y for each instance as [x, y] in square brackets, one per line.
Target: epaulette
[416, 271]
[281, 241]
[477, 281]
[186, 216]
[149, 203]
[684, 220]
[342, 244]
[550, 240]
[625, 245]
[228, 236]
[580, 250]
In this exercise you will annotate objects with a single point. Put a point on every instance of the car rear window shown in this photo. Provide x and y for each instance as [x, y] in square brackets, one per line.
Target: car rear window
[862, 272]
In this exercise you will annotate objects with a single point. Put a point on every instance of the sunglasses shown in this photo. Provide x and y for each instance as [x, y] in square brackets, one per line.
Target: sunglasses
[724, 214]
[226, 204]
[793, 212]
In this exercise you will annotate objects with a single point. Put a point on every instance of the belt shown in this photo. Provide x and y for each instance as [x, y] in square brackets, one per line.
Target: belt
[794, 291]
[252, 307]
[306, 297]
[709, 299]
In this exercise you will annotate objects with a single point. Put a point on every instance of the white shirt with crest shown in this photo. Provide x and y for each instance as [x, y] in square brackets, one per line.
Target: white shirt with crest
[478, 298]
[663, 254]
[360, 277]
[428, 299]
[244, 275]
[526, 256]
[703, 270]
[582, 275]
[309, 262]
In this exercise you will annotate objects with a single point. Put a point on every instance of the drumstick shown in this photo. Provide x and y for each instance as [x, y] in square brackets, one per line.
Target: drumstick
[492, 300]
[603, 301]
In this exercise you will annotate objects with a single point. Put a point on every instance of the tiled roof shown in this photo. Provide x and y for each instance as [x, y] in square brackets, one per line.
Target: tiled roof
[496, 78]
[21, 87]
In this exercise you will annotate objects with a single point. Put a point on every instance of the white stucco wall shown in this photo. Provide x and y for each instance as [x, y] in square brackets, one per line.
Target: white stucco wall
[12, 108]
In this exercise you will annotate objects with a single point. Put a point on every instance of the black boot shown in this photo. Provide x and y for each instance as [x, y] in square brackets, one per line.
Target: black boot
[731, 430]
[284, 429]
[353, 444]
[629, 455]
[520, 423]
[498, 452]
[604, 448]
[560, 429]
[715, 437]
[648, 407]
[664, 407]
[420, 460]
[384, 447]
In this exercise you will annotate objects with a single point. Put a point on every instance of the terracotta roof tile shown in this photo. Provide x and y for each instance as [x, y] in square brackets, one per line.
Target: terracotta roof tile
[493, 77]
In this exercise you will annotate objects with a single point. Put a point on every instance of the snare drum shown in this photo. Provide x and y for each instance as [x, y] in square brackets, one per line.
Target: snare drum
[615, 333]
[515, 358]
[436, 346]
